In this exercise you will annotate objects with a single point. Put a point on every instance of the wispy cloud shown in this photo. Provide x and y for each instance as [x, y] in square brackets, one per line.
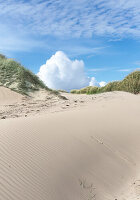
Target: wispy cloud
[13, 41]
[137, 69]
[73, 18]
[80, 49]
[25, 24]
[137, 63]
[115, 69]
[124, 70]
[98, 69]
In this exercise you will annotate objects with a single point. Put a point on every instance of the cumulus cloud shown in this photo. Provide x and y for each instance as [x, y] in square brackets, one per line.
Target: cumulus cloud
[60, 72]
[102, 83]
[94, 82]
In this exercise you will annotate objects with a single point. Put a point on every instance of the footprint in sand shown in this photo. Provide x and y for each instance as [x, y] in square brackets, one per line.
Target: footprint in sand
[89, 188]
[137, 188]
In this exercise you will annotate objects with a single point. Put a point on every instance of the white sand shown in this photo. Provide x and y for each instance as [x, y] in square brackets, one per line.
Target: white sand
[92, 152]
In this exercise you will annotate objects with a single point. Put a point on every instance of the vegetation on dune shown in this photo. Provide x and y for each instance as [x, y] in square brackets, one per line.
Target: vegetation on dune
[2, 56]
[14, 76]
[75, 91]
[86, 90]
[130, 83]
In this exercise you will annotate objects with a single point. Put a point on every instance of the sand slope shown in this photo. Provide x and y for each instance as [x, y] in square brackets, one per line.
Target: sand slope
[8, 96]
[84, 154]
[13, 105]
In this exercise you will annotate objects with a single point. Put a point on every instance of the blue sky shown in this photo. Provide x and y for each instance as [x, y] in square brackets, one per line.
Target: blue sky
[105, 34]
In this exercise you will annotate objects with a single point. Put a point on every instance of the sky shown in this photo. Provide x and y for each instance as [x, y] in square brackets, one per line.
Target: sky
[72, 43]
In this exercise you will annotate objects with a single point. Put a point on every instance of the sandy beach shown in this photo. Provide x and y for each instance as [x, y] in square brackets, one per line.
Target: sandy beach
[89, 152]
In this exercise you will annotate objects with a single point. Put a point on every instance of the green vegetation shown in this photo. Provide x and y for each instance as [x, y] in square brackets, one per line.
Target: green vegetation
[2, 56]
[86, 90]
[130, 83]
[14, 76]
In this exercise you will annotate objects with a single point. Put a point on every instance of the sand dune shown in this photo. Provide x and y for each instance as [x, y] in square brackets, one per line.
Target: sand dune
[8, 96]
[88, 153]
[13, 105]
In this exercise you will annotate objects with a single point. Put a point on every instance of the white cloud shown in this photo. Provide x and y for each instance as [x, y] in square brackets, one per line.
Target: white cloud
[34, 19]
[124, 70]
[98, 69]
[102, 83]
[79, 18]
[60, 72]
[137, 63]
[11, 41]
[94, 82]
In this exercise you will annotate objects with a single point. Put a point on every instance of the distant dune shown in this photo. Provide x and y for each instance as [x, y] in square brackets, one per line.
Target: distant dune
[130, 83]
[88, 153]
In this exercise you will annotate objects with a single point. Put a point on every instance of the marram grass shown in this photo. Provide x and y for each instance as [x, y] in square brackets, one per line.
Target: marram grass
[14, 76]
[130, 83]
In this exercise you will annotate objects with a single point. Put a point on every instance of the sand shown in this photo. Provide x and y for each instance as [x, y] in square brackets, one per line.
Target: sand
[8, 96]
[89, 152]
[14, 105]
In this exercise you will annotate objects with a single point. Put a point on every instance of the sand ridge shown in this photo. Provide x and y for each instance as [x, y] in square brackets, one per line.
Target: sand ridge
[13, 105]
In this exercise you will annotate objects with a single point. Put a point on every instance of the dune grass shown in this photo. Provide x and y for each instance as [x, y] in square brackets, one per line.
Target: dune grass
[16, 77]
[130, 83]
